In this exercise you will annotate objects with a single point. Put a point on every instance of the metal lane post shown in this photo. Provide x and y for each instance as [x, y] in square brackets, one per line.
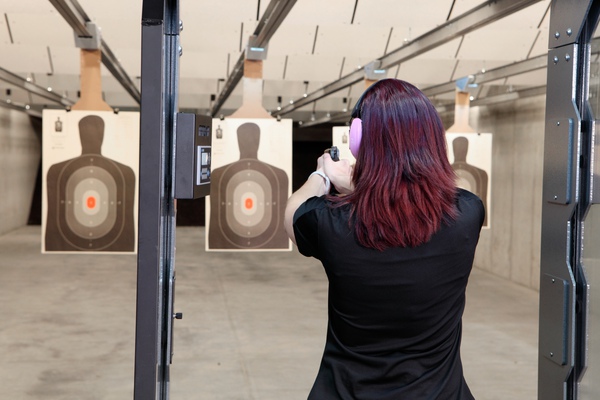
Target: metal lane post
[154, 318]
[566, 187]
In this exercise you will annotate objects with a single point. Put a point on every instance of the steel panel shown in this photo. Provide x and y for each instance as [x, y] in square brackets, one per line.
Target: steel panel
[564, 239]
[553, 345]
[156, 269]
[558, 225]
[558, 186]
[566, 21]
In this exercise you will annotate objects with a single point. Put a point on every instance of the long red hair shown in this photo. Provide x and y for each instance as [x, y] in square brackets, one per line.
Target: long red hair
[404, 186]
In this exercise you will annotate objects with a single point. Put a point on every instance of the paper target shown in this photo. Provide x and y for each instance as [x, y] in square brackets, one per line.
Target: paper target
[466, 180]
[340, 139]
[89, 198]
[470, 155]
[248, 194]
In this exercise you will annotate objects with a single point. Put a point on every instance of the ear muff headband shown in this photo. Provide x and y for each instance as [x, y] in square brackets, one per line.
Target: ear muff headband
[355, 136]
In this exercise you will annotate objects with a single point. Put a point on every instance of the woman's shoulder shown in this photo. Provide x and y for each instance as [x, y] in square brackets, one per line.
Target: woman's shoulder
[465, 195]
[312, 204]
[324, 210]
[470, 203]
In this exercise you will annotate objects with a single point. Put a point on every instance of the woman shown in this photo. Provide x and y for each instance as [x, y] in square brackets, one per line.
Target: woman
[397, 245]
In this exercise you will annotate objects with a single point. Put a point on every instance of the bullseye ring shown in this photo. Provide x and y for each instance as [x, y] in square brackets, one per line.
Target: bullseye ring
[91, 202]
[246, 212]
[90, 198]
[249, 203]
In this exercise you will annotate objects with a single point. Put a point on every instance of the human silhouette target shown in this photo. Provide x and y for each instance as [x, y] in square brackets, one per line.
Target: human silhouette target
[247, 199]
[469, 177]
[90, 198]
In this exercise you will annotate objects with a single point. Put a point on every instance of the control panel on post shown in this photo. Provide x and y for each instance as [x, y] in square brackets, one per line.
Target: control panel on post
[192, 156]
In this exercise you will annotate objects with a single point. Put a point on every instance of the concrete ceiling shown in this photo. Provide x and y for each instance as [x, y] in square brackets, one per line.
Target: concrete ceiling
[316, 44]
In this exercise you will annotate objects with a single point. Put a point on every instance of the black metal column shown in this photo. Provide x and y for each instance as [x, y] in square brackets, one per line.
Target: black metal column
[160, 60]
[568, 152]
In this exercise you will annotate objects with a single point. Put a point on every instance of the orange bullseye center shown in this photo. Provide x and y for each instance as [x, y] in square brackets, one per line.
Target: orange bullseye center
[91, 202]
[249, 203]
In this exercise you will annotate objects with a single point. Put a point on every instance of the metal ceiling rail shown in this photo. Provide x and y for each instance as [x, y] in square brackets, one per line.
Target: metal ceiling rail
[273, 16]
[491, 75]
[342, 116]
[499, 98]
[76, 17]
[110, 61]
[32, 88]
[486, 13]
[21, 107]
[73, 14]
[510, 96]
[505, 71]
[517, 68]
[485, 101]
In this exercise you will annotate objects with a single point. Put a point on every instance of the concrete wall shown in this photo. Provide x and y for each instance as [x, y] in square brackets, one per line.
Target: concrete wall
[511, 247]
[20, 156]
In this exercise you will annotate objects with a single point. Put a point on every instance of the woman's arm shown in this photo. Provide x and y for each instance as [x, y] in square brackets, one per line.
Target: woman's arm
[316, 185]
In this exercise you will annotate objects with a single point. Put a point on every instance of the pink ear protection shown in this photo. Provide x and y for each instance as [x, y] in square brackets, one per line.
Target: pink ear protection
[355, 136]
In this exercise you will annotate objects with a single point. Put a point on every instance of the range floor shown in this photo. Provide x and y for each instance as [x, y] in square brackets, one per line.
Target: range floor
[253, 325]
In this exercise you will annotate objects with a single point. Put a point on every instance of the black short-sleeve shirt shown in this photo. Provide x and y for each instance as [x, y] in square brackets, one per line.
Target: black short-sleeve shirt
[394, 326]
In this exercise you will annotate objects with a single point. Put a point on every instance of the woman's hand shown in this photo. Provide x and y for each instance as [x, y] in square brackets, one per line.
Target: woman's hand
[339, 173]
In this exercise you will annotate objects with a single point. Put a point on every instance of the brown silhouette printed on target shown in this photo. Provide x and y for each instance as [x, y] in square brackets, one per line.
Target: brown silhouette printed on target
[90, 198]
[469, 176]
[247, 199]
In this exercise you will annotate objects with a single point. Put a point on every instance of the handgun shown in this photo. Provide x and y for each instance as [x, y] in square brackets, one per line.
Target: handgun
[334, 153]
